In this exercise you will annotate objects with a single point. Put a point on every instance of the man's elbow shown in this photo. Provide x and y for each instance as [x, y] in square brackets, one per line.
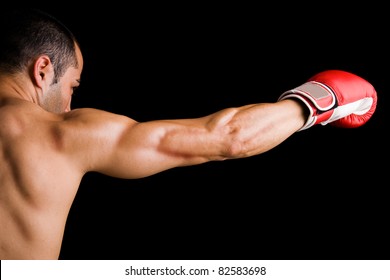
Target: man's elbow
[235, 148]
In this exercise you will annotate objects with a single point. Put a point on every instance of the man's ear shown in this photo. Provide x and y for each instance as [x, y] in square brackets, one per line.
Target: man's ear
[43, 71]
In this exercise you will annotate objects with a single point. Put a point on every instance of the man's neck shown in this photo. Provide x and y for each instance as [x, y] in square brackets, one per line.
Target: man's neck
[17, 86]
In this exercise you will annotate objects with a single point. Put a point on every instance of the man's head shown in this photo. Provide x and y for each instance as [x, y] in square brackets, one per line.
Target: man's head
[35, 43]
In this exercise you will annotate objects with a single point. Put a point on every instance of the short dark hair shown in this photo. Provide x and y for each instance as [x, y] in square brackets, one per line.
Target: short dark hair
[28, 33]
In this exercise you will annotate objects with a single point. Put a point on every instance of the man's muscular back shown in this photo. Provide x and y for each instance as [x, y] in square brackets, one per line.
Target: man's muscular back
[37, 182]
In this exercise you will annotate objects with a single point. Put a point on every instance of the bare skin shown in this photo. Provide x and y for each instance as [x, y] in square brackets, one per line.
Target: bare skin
[46, 148]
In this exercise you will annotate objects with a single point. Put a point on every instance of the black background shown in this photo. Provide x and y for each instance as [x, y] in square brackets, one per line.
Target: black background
[322, 194]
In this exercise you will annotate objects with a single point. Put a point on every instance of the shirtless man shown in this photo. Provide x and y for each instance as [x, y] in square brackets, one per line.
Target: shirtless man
[46, 148]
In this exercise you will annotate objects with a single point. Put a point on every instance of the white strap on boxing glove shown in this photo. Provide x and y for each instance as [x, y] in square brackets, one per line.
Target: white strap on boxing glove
[336, 97]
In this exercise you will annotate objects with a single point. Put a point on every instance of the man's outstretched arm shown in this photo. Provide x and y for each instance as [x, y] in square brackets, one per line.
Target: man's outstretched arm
[121, 147]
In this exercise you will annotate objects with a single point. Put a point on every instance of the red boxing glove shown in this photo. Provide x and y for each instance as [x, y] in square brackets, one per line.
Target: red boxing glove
[337, 97]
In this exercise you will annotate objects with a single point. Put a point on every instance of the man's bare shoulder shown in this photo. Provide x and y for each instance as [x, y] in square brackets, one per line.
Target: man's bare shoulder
[20, 116]
[28, 125]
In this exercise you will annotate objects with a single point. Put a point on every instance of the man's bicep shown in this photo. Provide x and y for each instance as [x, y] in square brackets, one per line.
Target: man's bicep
[139, 151]
[119, 146]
